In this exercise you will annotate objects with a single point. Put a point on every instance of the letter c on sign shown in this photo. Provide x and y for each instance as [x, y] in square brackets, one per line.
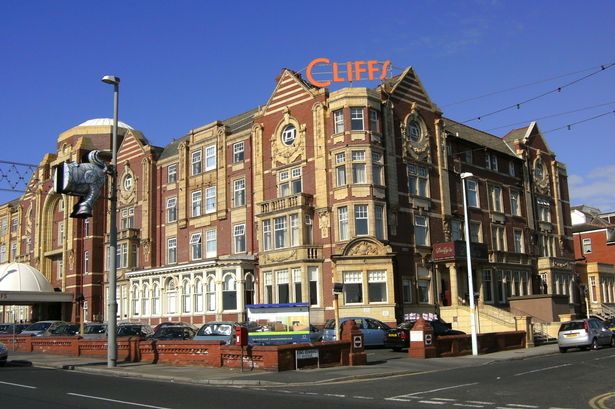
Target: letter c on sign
[308, 72]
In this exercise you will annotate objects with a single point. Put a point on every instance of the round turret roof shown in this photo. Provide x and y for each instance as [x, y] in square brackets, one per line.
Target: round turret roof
[23, 277]
[105, 122]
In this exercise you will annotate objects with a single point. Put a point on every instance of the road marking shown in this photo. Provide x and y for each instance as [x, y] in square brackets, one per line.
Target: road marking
[335, 395]
[19, 385]
[431, 402]
[117, 401]
[467, 405]
[515, 405]
[540, 370]
[445, 399]
[433, 390]
[600, 401]
[478, 402]
[604, 357]
[400, 399]
[362, 397]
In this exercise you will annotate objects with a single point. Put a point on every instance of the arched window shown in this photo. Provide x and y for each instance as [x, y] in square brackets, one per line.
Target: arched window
[171, 292]
[145, 300]
[211, 293]
[249, 289]
[229, 293]
[198, 295]
[186, 296]
[156, 299]
[134, 295]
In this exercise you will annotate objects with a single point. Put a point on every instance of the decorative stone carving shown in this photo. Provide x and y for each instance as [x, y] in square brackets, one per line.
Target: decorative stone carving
[145, 244]
[270, 258]
[364, 248]
[324, 222]
[286, 153]
[415, 137]
[128, 194]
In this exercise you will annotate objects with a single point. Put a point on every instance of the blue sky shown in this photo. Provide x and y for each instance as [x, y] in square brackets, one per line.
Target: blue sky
[186, 63]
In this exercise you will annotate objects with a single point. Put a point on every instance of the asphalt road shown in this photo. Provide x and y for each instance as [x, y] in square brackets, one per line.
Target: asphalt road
[573, 380]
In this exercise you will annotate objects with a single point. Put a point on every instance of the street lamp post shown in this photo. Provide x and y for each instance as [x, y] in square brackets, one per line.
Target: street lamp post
[464, 176]
[112, 298]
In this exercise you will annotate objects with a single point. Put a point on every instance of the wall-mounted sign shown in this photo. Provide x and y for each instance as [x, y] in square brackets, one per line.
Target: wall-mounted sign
[348, 71]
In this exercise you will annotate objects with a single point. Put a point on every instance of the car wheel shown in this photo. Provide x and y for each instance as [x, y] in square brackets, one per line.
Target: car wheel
[562, 349]
[594, 344]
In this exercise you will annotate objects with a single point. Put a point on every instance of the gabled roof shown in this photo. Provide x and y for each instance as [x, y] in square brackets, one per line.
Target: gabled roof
[530, 135]
[408, 87]
[290, 90]
[478, 137]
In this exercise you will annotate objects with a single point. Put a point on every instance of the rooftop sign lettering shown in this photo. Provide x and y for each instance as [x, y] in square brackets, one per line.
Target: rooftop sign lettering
[348, 71]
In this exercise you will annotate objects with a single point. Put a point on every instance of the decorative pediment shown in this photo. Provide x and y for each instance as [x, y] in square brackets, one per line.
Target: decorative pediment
[366, 247]
[415, 137]
[288, 141]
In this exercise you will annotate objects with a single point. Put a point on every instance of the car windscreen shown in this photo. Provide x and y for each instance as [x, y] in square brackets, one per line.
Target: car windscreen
[39, 326]
[215, 329]
[95, 329]
[571, 326]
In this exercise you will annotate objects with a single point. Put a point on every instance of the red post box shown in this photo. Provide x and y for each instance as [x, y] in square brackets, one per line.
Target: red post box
[241, 336]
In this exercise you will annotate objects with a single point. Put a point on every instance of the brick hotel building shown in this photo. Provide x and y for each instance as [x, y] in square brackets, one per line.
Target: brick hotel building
[359, 186]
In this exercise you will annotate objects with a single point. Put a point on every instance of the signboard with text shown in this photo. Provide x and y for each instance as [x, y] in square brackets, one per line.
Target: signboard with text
[346, 71]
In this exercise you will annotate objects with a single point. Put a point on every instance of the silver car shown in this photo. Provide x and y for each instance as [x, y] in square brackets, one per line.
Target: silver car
[584, 334]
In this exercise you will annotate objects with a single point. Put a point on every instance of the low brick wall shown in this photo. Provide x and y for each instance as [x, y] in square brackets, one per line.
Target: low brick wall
[203, 353]
[457, 345]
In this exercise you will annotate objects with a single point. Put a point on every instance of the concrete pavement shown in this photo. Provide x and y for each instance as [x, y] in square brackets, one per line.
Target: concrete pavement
[381, 363]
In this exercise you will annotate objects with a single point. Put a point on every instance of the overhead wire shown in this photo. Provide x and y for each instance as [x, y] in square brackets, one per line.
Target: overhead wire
[555, 90]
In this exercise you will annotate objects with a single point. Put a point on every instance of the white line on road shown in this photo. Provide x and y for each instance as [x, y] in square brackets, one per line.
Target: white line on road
[445, 399]
[431, 402]
[604, 357]
[117, 401]
[335, 395]
[467, 405]
[480, 402]
[17, 384]
[540, 370]
[435, 390]
[399, 399]
[362, 397]
[514, 405]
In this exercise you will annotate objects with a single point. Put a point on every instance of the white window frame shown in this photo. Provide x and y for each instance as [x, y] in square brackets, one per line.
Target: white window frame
[587, 245]
[518, 242]
[172, 173]
[210, 157]
[239, 192]
[211, 243]
[267, 235]
[197, 163]
[495, 194]
[498, 237]
[491, 161]
[196, 246]
[377, 168]
[361, 215]
[378, 279]
[171, 209]
[359, 167]
[421, 223]
[238, 152]
[357, 114]
[338, 121]
[472, 192]
[418, 180]
[171, 250]
[374, 120]
[515, 201]
[197, 201]
[342, 216]
[239, 238]
[210, 200]
[340, 169]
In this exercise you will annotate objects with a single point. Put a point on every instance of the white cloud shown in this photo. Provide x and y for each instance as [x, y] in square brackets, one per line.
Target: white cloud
[596, 189]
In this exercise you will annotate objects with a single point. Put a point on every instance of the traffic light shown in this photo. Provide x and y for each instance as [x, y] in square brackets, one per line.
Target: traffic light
[85, 180]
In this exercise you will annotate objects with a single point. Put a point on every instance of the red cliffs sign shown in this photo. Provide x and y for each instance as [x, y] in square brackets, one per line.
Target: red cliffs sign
[348, 71]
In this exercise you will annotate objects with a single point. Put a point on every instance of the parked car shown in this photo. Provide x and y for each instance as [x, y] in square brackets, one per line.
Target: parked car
[127, 329]
[584, 334]
[217, 331]
[175, 324]
[96, 330]
[173, 332]
[610, 324]
[315, 334]
[64, 330]
[399, 338]
[4, 354]
[11, 329]
[41, 328]
[374, 331]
